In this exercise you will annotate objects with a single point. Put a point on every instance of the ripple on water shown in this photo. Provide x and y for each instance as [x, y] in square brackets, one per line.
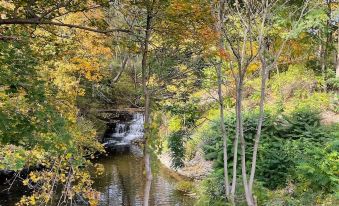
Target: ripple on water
[123, 184]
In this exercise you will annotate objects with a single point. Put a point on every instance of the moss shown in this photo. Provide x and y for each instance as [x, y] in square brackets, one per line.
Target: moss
[185, 186]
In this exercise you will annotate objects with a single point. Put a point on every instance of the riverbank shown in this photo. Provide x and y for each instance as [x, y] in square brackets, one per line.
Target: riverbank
[195, 169]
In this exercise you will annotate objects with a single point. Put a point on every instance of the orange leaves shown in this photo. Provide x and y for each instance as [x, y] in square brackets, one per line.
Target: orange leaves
[179, 6]
[223, 54]
[208, 35]
[188, 21]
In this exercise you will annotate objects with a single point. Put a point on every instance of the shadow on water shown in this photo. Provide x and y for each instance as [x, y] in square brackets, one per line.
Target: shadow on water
[123, 182]
[12, 196]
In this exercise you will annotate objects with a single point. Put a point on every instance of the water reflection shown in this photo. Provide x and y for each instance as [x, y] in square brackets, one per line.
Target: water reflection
[123, 183]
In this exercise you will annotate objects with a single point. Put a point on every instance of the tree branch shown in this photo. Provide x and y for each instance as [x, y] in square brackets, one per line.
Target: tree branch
[36, 21]
[123, 66]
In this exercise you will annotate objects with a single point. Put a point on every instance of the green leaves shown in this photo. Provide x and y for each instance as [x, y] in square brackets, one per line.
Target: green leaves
[283, 140]
[317, 167]
[316, 19]
[176, 145]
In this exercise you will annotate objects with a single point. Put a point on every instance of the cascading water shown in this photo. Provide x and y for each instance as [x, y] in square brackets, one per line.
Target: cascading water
[136, 128]
[120, 130]
[125, 132]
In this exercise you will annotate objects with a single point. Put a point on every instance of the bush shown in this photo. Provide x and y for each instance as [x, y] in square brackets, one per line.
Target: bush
[301, 83]
[302, 90]
[333, 83]
[213, 189]
[303, 123]
[282, 142]
[317, 167]
[184, 186]
[176, 146]
[334, 103]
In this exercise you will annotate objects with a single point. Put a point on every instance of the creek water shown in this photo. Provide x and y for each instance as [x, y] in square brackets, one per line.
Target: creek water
[123, 180]
[122, 183]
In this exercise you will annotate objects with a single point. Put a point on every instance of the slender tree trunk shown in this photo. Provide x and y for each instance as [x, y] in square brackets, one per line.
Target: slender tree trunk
[322, 56]
[219, 26]
[240, 128]
[337, 67]
[260, 120]
[235, 148]
[147, 108]
[222, 127]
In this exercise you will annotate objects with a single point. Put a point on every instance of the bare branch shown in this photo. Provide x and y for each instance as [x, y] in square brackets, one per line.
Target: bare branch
[123, 66]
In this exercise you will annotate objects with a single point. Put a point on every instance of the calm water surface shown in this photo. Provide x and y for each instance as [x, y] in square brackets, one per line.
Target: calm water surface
[122, 183]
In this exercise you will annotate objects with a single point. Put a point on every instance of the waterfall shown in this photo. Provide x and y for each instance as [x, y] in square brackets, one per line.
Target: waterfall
[124, 132]
[136, 128]
[120, 130]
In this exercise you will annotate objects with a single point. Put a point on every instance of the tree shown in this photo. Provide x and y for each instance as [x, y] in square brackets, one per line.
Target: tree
[52, 12]
[246, 39]
[45, 82]
[222, 55]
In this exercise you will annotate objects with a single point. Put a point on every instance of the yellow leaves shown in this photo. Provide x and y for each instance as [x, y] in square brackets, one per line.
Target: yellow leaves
[15, 101]
[68, 155]
[171, 88]
[208, 34]
[12, 157]
[6, 5]
[334, 6]
[33, 177]
[65, 76]
[62, 77]
[16, 158]
[82, 17]
[88, 68]
[63, 178]
[254, 66]
[32, 200]
[61, 146]
[25, 182]
[99, 169]
[90, 45]
[93, 202]
[37, 154]
[93, 197]
[174, 124]
[73, 180]
[94, 45]
[84, 135]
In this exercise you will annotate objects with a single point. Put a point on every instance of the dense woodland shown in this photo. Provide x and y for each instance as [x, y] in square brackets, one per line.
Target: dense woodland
[250, 85]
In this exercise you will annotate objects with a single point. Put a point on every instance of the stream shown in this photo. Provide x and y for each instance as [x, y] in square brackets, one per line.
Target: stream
[123, 180]
[122, 183]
